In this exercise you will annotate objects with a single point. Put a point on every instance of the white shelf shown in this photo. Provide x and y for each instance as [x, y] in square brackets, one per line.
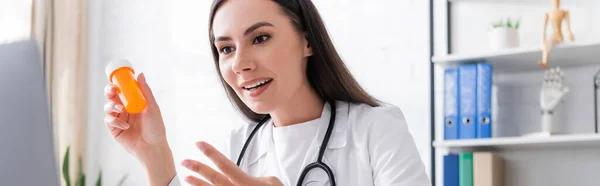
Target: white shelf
[501, 1]
[525, 59]
[511, 143]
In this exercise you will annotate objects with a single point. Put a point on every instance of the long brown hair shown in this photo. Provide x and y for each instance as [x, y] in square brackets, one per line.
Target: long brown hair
[325, 69]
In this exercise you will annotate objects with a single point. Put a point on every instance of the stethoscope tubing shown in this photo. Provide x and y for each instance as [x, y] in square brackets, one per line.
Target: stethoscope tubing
[318, 164]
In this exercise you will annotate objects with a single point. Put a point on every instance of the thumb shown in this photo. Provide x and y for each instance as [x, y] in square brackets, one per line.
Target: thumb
[146, 90]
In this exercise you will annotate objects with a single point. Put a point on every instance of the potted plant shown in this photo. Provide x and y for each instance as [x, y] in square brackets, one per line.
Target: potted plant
[80, 180]
[504, 34]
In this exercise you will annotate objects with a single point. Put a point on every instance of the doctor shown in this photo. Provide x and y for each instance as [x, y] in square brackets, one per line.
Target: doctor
[312, 123]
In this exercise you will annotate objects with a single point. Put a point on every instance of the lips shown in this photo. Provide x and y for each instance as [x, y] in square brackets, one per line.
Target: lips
[256, 87]
[257, 84]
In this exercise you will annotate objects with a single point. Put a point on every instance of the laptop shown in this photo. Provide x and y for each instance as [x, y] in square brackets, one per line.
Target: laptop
[26, 142]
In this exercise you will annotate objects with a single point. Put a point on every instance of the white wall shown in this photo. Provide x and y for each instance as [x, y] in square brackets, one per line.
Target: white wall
[203, 110]
[472, 19]
[388, 38]
[138, 31]
[15, 20]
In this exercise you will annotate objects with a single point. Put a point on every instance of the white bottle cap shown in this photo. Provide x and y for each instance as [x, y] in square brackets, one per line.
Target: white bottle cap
[116, 64]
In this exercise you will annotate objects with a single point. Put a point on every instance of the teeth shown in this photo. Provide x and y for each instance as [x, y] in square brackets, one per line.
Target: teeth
[257, 84]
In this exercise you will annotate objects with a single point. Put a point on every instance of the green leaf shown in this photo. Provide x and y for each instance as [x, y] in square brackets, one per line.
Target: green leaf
[497, 24]
[99, 181]
[65, 167]
[80, 174]
[80, 166]
[80, 180]
[517, 25]
[122, 181]
[508, 23]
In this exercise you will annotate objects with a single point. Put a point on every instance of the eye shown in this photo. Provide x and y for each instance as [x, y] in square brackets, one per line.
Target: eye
[260, 39]
[226, 49]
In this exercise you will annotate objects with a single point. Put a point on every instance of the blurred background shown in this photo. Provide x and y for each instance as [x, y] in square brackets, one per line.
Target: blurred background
[397, 49]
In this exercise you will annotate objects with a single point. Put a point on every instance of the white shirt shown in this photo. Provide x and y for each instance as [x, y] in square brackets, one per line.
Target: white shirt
[287, 142]
[368, 146]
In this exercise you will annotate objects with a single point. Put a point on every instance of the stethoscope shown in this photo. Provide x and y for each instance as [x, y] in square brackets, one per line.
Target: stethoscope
[318, 164]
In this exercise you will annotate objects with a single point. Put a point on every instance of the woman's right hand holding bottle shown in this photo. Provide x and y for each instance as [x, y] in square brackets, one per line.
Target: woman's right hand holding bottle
[143, 134]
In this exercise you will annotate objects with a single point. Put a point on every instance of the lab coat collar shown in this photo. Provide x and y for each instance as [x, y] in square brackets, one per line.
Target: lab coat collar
[340, 129]
[337, 140]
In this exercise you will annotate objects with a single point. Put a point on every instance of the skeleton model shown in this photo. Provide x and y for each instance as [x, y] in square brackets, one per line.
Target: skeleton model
[556, 17]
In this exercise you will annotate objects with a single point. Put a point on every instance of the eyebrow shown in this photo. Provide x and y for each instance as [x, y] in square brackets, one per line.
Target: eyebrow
[248, 30]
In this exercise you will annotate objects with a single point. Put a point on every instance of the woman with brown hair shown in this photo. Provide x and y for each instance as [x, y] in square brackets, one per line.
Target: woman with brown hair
[312, 123]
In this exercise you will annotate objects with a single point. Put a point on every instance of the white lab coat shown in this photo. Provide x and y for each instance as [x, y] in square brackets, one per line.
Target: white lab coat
[368, 146]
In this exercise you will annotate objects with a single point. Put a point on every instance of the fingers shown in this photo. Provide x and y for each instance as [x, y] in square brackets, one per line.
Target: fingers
[272, 180]
[196, 182]
[113, 122]
[227, 167]
[210, 174]
[116, 110]
[146, 89]
[110, 91]
[113, 108]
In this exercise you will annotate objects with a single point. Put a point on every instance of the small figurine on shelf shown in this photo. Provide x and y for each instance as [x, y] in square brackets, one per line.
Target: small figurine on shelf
[551, 94]
[556, 16]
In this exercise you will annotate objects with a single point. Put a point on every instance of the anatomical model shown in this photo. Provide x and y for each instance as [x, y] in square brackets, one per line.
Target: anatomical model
[556, 17]
[551, 94]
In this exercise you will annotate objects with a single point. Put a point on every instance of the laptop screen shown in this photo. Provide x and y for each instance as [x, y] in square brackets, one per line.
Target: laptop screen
[27, 154]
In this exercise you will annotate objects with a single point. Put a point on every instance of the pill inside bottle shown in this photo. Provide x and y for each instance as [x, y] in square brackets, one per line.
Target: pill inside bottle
[121, 74]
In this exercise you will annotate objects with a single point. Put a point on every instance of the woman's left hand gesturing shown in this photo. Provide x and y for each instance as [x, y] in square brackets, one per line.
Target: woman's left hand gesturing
[231, 174]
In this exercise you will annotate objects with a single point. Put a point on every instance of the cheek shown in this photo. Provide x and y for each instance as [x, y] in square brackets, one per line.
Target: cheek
[281, 59]
[228, 74]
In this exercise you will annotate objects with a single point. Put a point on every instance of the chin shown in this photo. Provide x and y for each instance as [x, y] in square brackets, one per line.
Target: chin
[260, 106]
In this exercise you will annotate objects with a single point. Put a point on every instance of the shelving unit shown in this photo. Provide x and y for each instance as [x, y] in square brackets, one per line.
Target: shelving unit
[566, 159]
[516, 143]
[525, 59]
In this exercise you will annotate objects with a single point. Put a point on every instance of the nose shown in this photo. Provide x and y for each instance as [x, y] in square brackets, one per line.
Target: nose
[242, 62]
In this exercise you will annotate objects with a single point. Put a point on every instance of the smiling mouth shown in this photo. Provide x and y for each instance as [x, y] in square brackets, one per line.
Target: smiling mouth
[257, 84]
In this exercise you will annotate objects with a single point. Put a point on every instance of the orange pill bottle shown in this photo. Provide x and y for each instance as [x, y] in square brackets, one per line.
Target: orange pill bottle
[121, 74]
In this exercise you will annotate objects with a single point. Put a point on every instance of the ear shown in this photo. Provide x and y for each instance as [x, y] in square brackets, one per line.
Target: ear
[307, 48]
